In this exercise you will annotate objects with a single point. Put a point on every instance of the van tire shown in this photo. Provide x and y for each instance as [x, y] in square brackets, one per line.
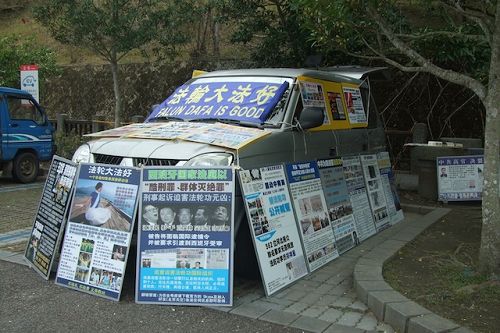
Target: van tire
[25, 168]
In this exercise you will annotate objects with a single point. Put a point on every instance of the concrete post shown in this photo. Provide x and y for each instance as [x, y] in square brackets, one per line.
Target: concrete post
[96, 126]
[60, 119]
[137, 119]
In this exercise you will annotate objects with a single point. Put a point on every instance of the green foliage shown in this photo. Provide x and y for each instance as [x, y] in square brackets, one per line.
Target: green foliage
[16, 51]
[434, 32]
[68, 143]
[273, 31]
[110, 28]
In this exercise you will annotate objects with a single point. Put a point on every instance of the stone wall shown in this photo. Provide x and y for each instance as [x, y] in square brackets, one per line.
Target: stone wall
[84, 92]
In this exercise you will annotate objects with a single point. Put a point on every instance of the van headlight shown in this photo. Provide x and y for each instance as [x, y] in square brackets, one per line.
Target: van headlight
[83, 155]
[210, 159]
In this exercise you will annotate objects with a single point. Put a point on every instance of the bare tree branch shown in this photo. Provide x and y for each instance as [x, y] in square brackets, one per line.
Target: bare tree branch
[480, 18]
[425, 65]
[451, 34]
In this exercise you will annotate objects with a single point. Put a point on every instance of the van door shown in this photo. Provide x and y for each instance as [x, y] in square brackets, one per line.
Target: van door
[27, 126]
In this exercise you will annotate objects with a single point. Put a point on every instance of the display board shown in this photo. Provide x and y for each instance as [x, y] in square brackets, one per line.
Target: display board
[185, 236]
[311, 213]
[99, 230]
[375, 190]
[354, 104]
[353, 173]
[460, 178]
[51, 216]
[273, 227]
[338, 203]
[389, 185]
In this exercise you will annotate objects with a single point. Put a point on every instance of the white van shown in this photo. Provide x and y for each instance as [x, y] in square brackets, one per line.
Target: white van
[250, 118]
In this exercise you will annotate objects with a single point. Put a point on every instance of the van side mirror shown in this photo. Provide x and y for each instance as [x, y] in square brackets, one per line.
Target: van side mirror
[311, 117]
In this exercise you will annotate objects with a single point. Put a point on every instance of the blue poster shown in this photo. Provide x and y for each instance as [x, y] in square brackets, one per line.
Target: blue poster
[243, 101]
[99, 230]
[185, 236]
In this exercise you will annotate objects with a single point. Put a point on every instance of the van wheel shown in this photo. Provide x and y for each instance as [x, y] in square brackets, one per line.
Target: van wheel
[25, 168]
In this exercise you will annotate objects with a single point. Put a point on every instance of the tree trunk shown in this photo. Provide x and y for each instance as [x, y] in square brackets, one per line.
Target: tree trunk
[116, 88]
[489, 257]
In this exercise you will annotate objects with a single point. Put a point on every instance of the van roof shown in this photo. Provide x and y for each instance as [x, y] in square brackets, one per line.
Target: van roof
[284, 72]
[13, 91]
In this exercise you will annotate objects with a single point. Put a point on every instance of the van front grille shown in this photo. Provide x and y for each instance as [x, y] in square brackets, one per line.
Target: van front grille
[153, 161]
[107, 159]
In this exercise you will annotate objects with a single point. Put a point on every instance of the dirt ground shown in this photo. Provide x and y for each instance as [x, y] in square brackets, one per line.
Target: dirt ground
[439, 269]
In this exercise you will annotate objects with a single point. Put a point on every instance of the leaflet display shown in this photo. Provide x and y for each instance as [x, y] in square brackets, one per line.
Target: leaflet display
[50, 217]
[353, 174]
[460, 178]
[310, 210]
[376, 194]
[354, 103]
[273, 227]
[185, 236]
[100, 224]
[389, 186]
[338, 203]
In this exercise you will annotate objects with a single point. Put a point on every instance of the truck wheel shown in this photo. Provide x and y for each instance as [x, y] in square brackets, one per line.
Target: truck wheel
[25, 168]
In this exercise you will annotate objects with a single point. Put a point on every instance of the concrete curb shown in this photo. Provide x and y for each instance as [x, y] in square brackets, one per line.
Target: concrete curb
[388, 305]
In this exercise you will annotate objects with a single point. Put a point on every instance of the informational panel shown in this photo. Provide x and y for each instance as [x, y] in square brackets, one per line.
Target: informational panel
[273, 227]
[185, 236]
[460, 178]
[389, 185]
[312, 214]
[353, 173]
[50, 217]
[354, 104]
[338, 203]
[375, 190]
[97, 239]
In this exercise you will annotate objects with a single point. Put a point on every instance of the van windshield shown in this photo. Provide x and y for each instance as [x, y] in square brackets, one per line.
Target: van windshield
[250, 100]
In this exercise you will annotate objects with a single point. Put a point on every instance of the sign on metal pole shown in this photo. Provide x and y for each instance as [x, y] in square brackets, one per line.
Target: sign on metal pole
[29, 80]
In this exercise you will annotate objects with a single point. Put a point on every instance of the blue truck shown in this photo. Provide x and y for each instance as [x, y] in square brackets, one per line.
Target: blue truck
[26, 135]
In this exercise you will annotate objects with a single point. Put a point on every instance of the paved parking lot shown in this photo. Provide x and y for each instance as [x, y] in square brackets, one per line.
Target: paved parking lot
[324, 301]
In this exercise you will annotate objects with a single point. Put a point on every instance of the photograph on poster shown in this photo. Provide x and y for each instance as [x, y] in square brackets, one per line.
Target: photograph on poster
[105, 279]
[81, 274]
[340, 210]
[119, 252]
[380, 214]
[186, 217]
[33, 245]
[104, 204]
[84, 260]
[336, 107]
[87, 245]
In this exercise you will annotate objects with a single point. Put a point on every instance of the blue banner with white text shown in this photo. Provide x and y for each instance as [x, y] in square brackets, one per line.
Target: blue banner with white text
[243, 101]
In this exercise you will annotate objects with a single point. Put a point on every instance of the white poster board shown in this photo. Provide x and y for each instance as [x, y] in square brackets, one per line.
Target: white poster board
[353, 173]
[311, 212]
[460, 178]
[375, 190]
[338, 203]
[389, 185]
[99, 230]
[354, 104]
[273, 227]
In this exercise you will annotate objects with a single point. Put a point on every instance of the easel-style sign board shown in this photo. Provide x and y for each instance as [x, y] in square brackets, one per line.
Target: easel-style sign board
[99, 230]
[273, 227]
[50, 218]
[186, 236]
[311, 213]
